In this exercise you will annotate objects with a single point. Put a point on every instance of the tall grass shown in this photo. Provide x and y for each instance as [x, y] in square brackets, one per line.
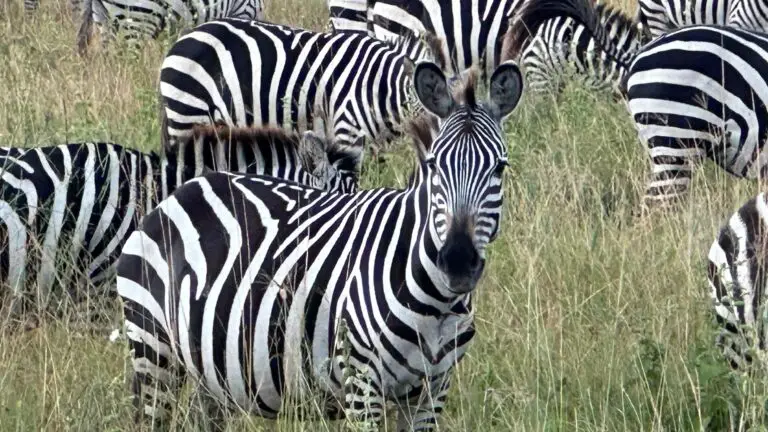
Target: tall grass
[587, 318]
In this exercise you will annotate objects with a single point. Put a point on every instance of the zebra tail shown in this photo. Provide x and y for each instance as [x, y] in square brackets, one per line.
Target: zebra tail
[523, 25]
[86, 27]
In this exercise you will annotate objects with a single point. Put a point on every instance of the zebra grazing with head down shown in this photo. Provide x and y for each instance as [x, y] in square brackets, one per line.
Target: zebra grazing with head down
[657, 17]
[141, 19]
[551, 49]
[696, 92]
[471, 31]
[738, 266]
[257, 288]
[254, 73]
[81, 201]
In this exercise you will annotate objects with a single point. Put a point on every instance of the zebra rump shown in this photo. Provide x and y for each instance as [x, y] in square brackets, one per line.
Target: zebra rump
[260, 289]
[738, 260]
[700, 92]
[551, 42]
[77, 203]
[658, 17]
[245, 73]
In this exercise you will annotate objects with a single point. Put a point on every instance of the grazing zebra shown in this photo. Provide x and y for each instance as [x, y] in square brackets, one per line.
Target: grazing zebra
[350, 15]
[471, 31]
[81, 201]
[139, 19]
[657, 17]
[696, 92]
[245, 73]
[551, 49]
[365, 298]
[738, 261]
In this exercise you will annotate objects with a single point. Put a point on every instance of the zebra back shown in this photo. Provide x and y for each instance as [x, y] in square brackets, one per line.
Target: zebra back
[296, 72]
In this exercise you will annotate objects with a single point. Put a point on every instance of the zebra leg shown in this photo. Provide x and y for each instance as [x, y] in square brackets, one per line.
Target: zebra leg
[213, 411]
[156, 373]
[670, 177]
[364, 401]
[421, 412]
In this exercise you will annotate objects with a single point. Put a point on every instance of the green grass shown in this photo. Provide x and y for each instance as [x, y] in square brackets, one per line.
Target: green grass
[587, 319]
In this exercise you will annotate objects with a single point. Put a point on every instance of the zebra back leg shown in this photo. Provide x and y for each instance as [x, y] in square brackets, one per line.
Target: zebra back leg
[421, 411]
[157, 375]
[672, 166]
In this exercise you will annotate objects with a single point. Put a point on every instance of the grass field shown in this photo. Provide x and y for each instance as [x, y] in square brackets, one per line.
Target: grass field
[587, 318]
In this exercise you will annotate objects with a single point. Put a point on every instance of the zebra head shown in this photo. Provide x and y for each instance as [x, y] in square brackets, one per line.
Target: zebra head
[464, 165]
[335, 166]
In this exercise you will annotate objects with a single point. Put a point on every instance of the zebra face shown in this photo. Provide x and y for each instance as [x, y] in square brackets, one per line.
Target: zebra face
[464, 167]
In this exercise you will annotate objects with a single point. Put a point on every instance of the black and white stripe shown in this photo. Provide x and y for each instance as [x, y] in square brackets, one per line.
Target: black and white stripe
[700, 92]
[275, 286]
[350, 15]
[141, 19]
[738, 260]
[79, 202]
[471, 31]
[657, 17]
[244, 73]
[697, 92]
[552, 49]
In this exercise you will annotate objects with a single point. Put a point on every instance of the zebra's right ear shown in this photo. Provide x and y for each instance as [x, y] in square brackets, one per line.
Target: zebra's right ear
[432, 89]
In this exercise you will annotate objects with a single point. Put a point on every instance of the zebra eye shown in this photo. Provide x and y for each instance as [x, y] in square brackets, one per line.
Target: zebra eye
[500, 166]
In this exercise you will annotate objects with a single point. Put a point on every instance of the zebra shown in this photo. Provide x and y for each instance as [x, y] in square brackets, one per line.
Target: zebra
[657, 17]
[350, 15]
[142, 19]
[359, 296]
[737, 264]
[695, 92]
[471, 32]
[82, 200]
[244, 73]
[549, 48]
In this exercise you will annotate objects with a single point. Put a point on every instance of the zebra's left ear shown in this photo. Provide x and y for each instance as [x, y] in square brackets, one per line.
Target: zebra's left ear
[506, 88]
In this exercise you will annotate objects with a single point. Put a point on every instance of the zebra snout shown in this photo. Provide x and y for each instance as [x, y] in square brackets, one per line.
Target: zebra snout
[460, 261]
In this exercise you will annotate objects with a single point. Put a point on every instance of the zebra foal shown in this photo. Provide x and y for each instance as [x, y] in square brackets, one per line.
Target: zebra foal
[255, 287]
[78, 203]
[244, 73]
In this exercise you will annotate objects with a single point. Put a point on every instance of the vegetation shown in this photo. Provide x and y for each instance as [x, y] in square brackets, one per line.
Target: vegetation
[587, 318]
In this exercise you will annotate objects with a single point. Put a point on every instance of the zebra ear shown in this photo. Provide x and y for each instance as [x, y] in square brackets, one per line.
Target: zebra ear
[313, 152]
[432, 89]
[506, 88]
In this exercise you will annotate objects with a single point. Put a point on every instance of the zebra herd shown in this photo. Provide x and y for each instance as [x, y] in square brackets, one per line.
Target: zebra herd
[245, 256]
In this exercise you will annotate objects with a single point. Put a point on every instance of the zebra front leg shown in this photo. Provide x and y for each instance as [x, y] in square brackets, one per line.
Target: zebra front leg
[421, 412]
[364, 404]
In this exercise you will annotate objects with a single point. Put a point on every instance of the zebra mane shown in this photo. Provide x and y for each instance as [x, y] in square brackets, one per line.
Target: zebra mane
[420, 129]
[242, 134]
[524, 24]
